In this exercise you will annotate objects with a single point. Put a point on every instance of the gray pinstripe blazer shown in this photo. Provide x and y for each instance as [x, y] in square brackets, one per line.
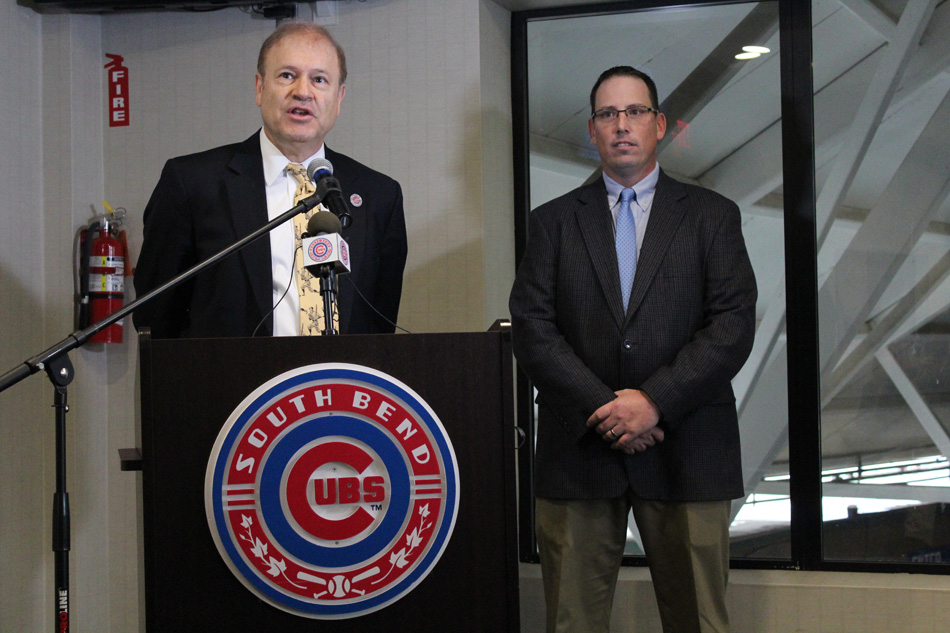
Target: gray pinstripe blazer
[687, 331]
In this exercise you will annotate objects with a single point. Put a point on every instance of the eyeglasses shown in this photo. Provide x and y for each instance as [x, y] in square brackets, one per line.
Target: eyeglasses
[634, 113]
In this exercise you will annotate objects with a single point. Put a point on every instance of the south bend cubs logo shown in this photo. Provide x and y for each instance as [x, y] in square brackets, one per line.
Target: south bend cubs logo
[344, 254]
[332, 491]
[320, 249]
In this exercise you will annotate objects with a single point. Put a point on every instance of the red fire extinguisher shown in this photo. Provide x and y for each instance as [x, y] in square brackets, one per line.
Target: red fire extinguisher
[102, 271]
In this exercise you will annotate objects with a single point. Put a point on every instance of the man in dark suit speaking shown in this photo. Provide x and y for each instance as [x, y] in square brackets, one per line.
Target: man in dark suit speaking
[207, 201]
[633, 308]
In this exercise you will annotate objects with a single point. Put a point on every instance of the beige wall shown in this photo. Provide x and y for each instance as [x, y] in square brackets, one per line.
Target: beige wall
[25, 422]
[427, 102]
[415, 108]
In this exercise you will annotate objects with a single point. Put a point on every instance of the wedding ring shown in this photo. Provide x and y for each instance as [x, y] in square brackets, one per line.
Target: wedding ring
[614, 434]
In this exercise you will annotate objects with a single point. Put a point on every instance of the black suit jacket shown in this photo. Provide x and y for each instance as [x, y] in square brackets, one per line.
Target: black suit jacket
[687, 331]
[205, 202]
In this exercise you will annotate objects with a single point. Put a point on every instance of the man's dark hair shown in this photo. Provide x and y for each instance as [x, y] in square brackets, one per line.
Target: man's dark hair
[300, 28]
[625, 71]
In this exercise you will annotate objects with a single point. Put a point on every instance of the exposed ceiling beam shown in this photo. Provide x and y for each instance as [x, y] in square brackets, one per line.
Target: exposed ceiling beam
[762, 425]
[873, 106]
[771, 207]
[915, 401]
[911, 200]
[872, 16]
[758, 455]
[773, 320]
[702, 85]
[755, 169]
[767, 336]
[884, 329]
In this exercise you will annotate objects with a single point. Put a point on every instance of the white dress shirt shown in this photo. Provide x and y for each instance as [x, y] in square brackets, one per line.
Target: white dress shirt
[280, 188]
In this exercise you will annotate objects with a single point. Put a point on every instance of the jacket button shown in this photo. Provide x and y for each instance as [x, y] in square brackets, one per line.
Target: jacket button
[628, 344]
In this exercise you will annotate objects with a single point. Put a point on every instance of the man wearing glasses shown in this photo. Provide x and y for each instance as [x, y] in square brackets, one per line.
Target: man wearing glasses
[633, 308]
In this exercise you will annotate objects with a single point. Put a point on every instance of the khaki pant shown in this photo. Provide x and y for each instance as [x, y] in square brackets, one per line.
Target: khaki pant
[686, 546]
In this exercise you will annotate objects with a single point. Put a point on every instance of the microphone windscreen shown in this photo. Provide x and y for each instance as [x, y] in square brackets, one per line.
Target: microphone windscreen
[323, 222]
[317, 165]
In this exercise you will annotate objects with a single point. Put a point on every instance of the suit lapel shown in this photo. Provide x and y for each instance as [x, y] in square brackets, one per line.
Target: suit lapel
[596, 227]
[351, 183]
[247, 201]
[665, 216]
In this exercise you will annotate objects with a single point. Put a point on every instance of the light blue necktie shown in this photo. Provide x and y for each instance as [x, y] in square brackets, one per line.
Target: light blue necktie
[626, 243]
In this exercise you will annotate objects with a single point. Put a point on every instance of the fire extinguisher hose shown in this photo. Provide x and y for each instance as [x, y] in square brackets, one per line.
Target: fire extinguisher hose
[85, 250]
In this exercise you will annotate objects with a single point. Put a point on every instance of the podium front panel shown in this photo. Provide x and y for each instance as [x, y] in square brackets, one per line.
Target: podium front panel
[190, 388]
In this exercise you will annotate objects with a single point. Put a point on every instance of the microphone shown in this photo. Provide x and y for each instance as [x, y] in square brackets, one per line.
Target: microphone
[322, 222]
[323, 248]
[320, 169]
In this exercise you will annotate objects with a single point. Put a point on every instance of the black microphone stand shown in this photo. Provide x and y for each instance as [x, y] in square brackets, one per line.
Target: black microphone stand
[59, 369]
[328, 290]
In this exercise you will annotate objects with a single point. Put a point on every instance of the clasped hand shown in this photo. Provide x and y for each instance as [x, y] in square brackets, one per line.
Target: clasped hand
[629, 422]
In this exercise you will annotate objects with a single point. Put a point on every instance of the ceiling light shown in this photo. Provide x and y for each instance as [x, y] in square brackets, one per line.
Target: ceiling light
[748, 55]
[756, 49]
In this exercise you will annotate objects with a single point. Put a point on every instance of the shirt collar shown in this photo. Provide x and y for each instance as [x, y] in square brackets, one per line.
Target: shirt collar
[275, 161]
[644, 189]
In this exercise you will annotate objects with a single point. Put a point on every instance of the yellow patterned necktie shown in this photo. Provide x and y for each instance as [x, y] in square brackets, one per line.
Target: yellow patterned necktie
[308, 287]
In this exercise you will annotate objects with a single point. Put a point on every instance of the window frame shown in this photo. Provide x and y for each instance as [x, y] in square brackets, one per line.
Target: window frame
[801, 278]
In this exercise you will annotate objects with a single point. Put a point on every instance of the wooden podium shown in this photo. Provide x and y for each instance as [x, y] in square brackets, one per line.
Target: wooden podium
[189, 389]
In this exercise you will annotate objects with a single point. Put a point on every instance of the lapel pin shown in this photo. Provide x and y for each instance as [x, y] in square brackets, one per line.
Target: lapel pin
[356, 200]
